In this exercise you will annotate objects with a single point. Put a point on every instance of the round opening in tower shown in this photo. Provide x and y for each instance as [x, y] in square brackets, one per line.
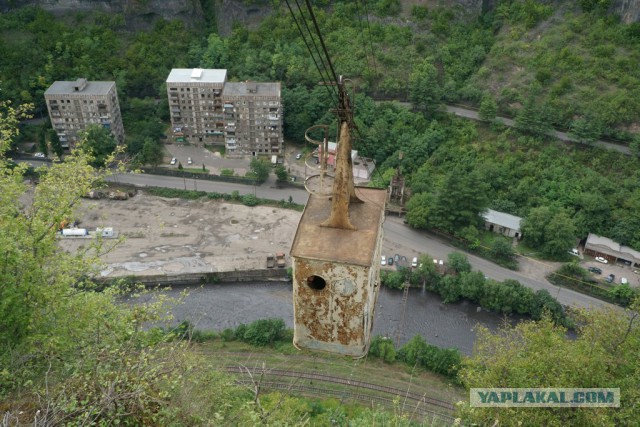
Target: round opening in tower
[316, 282]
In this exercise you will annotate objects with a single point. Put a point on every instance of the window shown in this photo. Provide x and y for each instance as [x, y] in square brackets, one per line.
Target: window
[316, 282]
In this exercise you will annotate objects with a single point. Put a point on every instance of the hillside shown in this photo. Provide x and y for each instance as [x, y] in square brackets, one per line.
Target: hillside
[580, 68]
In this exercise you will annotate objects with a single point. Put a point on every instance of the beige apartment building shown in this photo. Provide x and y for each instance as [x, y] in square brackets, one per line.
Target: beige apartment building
[73, 105]
[245, 117]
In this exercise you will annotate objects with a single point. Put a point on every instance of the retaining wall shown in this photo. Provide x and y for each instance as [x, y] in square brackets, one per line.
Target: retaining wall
[204, 278]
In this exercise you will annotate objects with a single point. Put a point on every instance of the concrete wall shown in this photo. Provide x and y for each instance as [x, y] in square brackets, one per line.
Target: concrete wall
[271, 274]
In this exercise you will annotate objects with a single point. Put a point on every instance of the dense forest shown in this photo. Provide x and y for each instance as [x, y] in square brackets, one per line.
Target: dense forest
[72, 354]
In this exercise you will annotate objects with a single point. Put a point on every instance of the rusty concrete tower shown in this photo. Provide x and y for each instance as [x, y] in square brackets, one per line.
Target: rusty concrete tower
[336, 258]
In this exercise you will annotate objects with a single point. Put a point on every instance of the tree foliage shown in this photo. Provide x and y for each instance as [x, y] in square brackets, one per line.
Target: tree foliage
[260, 168]
[541, 355]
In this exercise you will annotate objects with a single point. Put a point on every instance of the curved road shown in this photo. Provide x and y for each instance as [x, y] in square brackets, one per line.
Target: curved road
[563, 136]
[398, 238]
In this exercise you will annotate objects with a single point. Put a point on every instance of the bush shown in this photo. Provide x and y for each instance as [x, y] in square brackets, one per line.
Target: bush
[263, 332]
[249, 200]
[392, 279]
[444, 361]
[383, 348]
[228, 335]
[623, 293]
[459, 262]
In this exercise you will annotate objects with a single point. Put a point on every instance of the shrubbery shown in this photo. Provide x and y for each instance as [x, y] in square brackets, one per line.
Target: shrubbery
[260, 333]
[501, 297]
[417, 352]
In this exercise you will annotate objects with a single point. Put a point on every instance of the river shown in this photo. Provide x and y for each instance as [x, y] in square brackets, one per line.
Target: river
[220, 306]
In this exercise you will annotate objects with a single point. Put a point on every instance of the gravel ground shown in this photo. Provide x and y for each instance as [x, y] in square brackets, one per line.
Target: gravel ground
[181, 236]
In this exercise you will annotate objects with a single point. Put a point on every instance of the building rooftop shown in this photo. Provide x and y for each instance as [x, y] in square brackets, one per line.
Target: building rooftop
[611, 247]
[186, 75]
[87, 88]
[502, 219]
[354, 247]
[253, 88]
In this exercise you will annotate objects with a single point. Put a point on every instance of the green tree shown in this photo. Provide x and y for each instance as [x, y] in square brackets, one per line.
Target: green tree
[459, 201]
[488, 108]
[281, 173]
[585, 130]
[534, 118]
[418, 210]
[42, 141]
[56, 145]
[458, 262]
[540, 354]
[549, 229]
[260, 168]
[424, 87]
[634, 146]
[502, 248]
[99, 143]
[152, 152]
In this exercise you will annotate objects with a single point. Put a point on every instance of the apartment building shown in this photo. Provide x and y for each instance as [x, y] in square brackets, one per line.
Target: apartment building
[75, 104]
[245, 117]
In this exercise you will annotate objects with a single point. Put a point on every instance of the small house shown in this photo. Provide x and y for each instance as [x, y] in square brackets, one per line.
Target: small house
[502, 223]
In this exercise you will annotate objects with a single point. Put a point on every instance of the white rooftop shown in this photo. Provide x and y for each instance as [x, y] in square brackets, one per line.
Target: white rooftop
[91, 88]
[185, 75]
[502, 219]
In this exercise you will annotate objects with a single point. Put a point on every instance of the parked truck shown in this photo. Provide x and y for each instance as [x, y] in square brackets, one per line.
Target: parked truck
[271, 261]
[280, 259]
[75, 232]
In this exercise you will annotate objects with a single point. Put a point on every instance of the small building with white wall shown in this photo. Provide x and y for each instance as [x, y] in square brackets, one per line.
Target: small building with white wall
[502, 223]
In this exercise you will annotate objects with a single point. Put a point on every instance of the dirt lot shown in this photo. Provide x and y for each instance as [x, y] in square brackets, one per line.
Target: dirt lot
[181, 236]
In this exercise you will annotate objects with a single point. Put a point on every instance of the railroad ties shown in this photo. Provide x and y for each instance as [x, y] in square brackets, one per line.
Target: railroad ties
[412, 404]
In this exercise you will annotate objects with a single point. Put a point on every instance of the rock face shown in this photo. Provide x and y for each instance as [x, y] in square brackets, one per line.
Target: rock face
[230, 11]
[138, 14]
[627, 10]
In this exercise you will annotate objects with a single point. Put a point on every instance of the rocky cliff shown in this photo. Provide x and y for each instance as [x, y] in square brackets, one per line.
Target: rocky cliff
[137, 13]
[141, 13]
[627, 10]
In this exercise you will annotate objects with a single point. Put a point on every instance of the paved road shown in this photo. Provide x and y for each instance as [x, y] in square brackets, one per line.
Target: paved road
[267, 190]
[398, 237]
[473, 115]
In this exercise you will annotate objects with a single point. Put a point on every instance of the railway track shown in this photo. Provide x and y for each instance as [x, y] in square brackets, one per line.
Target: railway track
[448, 406]
[411, 409]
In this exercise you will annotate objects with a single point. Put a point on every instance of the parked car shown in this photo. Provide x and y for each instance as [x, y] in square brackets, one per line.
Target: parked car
[396, 258]
[298, 156]
[41, 155]
[414, 262]
[602, 260]
[574, 252]
[383, 260]
[390, 260]
[595, 270]
[189, 161]
[173, 161]
[624, 281]
[610, 278]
